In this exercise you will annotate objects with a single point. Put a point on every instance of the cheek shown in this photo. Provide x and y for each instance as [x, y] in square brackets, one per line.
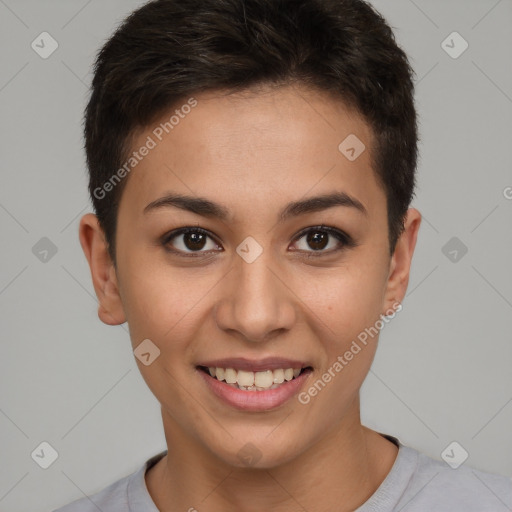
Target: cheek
[350, 308]
[346, 299]
[163, 303]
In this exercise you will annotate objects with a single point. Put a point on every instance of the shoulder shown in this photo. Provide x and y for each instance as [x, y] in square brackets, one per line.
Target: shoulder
[126, 494]
[113, 498]
[434, 485]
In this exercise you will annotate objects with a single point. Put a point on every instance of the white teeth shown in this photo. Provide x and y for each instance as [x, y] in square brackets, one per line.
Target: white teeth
[264, 379]
[278, 376]
[245, 378]
[230, 375]
[254, 381]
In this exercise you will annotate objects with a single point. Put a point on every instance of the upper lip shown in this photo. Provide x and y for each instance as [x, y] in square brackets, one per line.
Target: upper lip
[253, 365]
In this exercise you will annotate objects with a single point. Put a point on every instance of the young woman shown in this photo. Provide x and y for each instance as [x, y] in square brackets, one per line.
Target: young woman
[252, 165]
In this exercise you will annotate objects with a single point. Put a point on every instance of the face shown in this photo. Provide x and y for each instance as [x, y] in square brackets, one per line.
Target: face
[265, 279]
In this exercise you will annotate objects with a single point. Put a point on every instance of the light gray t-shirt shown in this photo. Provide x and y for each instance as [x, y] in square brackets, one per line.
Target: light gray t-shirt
[416, 483]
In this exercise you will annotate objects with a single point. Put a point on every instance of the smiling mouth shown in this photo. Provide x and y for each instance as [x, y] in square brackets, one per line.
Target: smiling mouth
[254, 381]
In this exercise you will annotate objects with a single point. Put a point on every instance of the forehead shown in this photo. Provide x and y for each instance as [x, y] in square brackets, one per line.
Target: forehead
[256, 147]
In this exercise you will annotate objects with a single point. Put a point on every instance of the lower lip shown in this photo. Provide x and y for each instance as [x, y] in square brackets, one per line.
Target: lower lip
[255, 400]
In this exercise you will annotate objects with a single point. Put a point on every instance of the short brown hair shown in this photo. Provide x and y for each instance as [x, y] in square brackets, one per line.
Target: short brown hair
[168, 50]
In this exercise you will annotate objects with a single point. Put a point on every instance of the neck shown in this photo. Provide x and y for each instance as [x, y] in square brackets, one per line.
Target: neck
[339, 472]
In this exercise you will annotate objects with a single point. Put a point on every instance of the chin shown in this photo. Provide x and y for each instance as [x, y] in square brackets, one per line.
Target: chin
[259, 453]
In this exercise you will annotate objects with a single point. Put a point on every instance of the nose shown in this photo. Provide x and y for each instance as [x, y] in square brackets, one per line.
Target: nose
[256, 303]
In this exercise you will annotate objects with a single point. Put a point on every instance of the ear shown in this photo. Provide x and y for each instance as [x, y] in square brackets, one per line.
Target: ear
[103, 273]
[400, 263]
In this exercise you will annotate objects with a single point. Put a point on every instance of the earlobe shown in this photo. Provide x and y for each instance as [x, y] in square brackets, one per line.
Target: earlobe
[401, 260]
[104, 278]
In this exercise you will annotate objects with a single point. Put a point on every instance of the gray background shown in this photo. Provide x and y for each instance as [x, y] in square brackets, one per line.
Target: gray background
[442, 372]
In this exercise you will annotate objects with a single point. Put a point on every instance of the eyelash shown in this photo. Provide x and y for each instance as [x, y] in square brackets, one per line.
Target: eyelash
[345, 240]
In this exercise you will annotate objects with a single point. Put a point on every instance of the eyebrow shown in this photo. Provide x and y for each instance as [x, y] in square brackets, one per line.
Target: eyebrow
[206, 208]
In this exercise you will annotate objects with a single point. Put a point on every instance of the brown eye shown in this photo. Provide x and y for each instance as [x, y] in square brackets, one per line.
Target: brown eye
[322, 240]
[194, 241]
[189, 240]
[317, 240]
